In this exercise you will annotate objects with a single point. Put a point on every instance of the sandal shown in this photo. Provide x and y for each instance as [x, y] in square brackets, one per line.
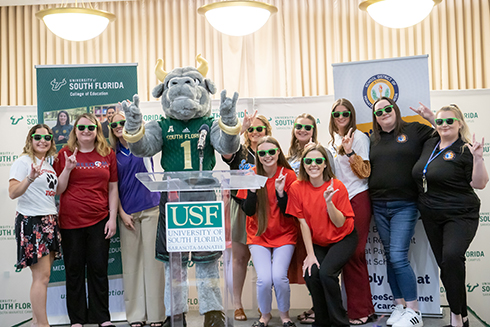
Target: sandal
[310, 319]
[259, 324]
[240, 315]
[358, 322]
[136, 324]
[155, 324]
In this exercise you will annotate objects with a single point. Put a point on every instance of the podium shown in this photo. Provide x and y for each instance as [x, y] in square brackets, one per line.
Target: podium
[194, 230]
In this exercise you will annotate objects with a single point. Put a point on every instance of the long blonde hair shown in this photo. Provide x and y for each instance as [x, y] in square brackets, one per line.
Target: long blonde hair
[268, 130]
[332, 128]
[28, 148]
[262, 198]
[100, 142]
[113, 140]
[294, 147]
[464, 131]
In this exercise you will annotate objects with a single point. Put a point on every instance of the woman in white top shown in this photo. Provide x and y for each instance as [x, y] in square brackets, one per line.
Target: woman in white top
[350, 148]
[33, 182]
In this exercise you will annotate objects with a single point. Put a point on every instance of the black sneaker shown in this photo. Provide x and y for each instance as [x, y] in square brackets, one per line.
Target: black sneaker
[214, 319]
[177, 318]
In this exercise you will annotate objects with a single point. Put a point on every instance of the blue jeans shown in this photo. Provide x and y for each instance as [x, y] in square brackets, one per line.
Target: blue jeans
[396, 221]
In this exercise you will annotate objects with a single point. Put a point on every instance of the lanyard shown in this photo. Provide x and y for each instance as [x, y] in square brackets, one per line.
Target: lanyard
[431, 158]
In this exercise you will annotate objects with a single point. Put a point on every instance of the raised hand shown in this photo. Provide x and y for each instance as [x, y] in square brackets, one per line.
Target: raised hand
[227, 109]
[476, 148]
[36, 170]
[71, 161]
[347, 141]
[425, 112]
[329, 192]
[280, 182]
[248, 120]
[133, 114]
[310, 142]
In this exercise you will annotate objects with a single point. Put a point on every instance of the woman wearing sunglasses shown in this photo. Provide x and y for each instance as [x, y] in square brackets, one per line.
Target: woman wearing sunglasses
[446, 174]
[395, 147]
[62, 129]
[271, 235]
[33, 182]
[351, 157]
[88, 212]
[304, 132]
[254, 128]
[138, 209]
[321, 204]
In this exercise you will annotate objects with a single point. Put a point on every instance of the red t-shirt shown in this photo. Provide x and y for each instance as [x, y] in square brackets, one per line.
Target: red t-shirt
[85, 201]
[281, 230]
[307, 202]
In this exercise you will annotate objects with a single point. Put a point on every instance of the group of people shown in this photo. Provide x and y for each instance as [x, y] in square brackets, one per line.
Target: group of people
[316, 205]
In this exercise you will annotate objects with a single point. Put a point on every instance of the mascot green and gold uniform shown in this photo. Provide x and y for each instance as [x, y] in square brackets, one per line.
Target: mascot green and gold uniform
[186, 101]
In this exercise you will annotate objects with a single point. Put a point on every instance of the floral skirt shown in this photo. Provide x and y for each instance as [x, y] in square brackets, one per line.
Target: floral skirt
[36, 236]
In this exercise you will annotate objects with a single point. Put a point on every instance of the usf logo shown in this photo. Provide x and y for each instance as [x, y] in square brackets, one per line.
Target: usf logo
[56, 86]
[471, 288]
[15, 121]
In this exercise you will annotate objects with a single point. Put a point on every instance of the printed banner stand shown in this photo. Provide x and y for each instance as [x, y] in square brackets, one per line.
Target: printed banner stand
[63, 93]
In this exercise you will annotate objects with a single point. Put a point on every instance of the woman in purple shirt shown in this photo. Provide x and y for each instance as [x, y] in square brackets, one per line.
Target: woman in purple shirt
[138, 209]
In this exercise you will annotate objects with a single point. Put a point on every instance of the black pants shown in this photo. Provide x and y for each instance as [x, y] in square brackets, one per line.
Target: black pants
[450, 233]
[324, 282]
[86, 248]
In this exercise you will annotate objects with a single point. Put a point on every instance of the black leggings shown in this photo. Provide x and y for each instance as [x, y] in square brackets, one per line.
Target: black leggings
[324, 282]
[450, 233]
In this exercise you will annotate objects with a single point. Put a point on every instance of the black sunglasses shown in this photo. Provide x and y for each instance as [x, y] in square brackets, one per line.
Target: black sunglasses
[386, 109]
[306, 127]
[271, 152]
[345, 114]
[91, 128]
[259, 129]
[114, 124]
[309, 161]
[39, 137]
[449, 121]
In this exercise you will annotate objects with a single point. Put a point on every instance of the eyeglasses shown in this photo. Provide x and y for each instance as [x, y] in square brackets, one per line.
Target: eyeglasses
[259, 129]
[336, 114]
[114, 124]
[449, 121]
[91, 128]
[301, 126]
[46, 137]
[386, 109]
[309, 161]
[271, 152]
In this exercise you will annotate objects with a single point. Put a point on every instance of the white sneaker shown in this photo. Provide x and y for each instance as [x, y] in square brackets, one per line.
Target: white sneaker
[396, 314]
[409, 319]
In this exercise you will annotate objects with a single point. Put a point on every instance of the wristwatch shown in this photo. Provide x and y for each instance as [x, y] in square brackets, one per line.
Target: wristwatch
[350, 154]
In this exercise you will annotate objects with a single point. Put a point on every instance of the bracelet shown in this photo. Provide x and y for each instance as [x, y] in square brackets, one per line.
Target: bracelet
[235, 130]
[30, 180]
[133, 138]
[350, 154]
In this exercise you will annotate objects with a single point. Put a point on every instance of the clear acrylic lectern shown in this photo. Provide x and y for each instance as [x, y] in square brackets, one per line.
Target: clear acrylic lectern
[197, 221]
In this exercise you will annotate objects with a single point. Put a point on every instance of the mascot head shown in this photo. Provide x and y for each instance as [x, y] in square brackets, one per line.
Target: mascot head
[185, 92]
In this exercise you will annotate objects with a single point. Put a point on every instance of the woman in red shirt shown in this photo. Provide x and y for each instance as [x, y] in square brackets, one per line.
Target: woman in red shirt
[319, 200]
[88, 208]
[270, 233]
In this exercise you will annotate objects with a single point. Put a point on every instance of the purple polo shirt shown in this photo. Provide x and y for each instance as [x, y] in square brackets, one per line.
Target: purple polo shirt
[134, 196]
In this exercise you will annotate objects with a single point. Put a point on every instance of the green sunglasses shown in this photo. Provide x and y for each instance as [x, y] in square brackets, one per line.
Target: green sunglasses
[309, 161]
[386, 109]
[39, 137]
[259, 129]
[91, 128]
[449, 121]
[271, 152]
[301, 126]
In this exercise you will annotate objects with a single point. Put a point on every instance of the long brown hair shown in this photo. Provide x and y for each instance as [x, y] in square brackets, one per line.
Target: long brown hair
[268, 130]
[294, 147]
[327, 172]
[332, 128]
[113, 140]
[262, 198]
[399, 124]
[100, 142]
[28, 148]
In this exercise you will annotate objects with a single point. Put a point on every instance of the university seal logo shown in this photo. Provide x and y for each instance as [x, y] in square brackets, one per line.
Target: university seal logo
[377, 86]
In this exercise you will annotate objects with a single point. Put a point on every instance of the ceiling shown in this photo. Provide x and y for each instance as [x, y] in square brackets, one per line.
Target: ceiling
[4, 3]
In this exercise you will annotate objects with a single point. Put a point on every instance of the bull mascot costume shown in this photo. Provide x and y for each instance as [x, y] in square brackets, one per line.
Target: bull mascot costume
[186, 101]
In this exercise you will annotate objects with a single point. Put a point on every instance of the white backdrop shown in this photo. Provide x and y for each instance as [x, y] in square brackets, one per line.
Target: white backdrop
[15, 122]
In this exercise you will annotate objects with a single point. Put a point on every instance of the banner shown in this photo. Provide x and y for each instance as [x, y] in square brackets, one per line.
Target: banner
[64, 93]
[405, 80]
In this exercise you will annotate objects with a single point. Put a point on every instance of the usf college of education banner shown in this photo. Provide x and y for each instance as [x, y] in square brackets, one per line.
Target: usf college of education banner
[63, 93]
[405, 80]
